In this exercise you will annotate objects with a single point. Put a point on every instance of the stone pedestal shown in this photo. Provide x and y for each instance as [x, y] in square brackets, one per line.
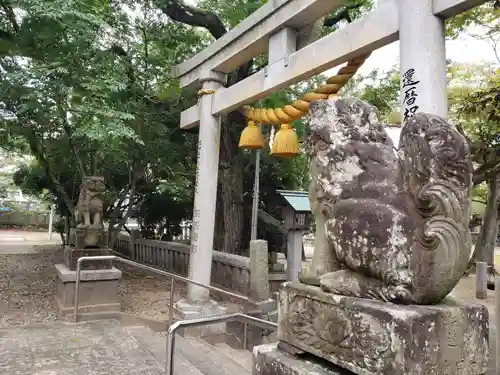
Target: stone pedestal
[274, 266]
[98, 290]
[189, 310]
[371, 337]
[266, 310]
[87, 237]
[71, 256]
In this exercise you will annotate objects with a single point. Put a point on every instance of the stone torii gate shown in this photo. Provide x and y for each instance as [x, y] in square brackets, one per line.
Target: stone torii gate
[418, 24]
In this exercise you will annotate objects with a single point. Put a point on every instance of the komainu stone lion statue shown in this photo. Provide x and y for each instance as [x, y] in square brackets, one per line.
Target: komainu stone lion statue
[90, 203]
[392, 227]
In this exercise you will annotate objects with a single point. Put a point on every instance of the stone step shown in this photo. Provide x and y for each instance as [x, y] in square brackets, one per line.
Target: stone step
[241, 357]
[192, 357]
[209, 359]
[155, 344]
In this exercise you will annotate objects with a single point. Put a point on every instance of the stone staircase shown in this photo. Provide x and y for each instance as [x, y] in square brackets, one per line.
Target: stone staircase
[106, 347]
[195, 356]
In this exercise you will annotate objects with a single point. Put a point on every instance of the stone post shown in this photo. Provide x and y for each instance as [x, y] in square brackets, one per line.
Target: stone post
[294, 255]
[51, 221]
[481, 280]
[274, 266]
[134, 235]
[423, 60]
[259, 270]
[282, 44]
[183, 226]
[260, 292]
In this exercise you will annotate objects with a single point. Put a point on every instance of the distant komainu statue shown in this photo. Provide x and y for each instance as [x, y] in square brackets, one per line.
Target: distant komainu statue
[90, 203]
[392, 227]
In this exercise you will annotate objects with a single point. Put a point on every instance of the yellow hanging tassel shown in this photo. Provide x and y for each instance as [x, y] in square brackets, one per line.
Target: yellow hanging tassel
[286, 142]
[251, 137]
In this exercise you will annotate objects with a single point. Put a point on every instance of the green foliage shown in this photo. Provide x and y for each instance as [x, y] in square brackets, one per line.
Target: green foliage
[91, 92]
[480, 193]
[232, 12]
[477, 111]
[379, 89]
[165, 207]
[486, 16]
[85, 88]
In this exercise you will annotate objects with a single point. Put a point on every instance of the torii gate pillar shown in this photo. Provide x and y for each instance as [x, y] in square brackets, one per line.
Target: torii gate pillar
[206, 188]
[198, 303]
[423, 59]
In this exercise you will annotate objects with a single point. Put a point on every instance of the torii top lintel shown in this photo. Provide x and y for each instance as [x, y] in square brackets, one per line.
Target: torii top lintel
[251, 38]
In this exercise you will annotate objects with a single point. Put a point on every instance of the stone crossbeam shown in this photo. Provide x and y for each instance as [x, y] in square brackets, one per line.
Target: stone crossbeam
[450, 8]
[328, 52]
[250, 38]
[375, 30]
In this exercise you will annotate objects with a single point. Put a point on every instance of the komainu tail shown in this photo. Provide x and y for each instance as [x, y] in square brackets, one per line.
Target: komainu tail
[436, 171]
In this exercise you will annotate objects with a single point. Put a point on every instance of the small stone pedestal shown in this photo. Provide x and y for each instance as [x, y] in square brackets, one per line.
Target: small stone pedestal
[370, 337]
[80, 238]
[98, 279]
[98, 290]
[71, 256]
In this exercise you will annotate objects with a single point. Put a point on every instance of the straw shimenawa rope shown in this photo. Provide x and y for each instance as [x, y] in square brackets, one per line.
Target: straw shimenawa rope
[205, 92]
[295, 110]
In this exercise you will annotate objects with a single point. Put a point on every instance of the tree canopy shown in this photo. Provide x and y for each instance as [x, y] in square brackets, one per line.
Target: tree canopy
[85, 87]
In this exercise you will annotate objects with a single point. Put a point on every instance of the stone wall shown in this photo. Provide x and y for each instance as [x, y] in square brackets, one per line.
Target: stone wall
[229, 271]
[24, 219]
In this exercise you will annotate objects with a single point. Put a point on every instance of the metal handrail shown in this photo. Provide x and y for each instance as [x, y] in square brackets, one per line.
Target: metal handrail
[247, 319]
[159, 272]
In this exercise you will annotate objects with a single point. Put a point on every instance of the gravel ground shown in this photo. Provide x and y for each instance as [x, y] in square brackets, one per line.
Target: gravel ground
[27, 286]
[147, 295]
[28, 283]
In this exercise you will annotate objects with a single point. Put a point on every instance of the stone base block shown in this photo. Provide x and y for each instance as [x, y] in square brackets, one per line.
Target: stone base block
[371, 337]
[98, 290]
[255, 335]
[278, 267]
[71, 256]
[188, 310]
[269, 360]
[87, 237]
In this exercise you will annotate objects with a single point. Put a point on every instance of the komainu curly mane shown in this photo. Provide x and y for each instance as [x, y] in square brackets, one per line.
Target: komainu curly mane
[397, 224]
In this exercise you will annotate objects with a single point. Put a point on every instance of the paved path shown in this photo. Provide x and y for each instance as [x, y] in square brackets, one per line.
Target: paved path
[63, 349]
[24, 242]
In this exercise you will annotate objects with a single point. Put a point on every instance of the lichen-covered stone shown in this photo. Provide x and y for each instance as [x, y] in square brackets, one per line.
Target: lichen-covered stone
[90, 203]
[71, 256]
[81, 238]
[372, 337]
[269, 360]
[392, 227]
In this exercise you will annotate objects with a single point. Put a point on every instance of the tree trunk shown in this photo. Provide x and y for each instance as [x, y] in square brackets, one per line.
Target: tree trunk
[219, 224]
[484, 250]
[231, 183]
